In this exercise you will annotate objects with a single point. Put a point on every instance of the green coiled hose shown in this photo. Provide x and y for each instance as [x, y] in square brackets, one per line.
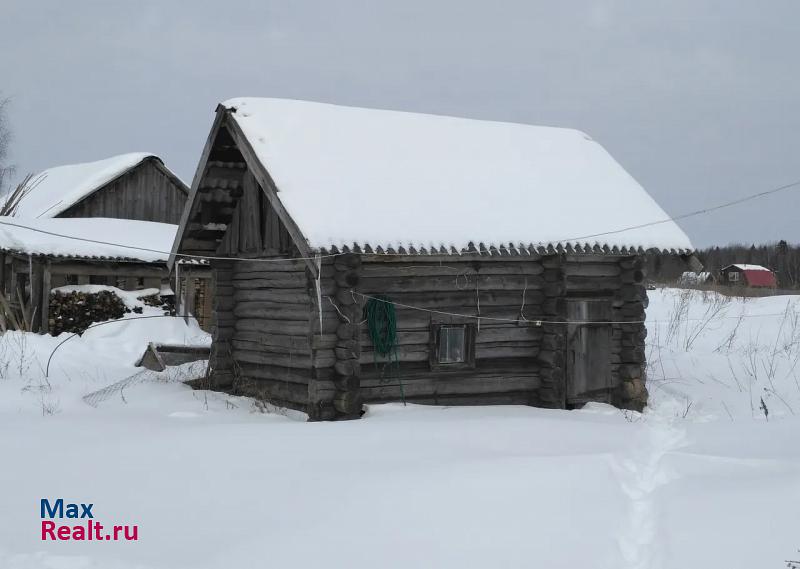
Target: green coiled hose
[381, 324]
[382, 329]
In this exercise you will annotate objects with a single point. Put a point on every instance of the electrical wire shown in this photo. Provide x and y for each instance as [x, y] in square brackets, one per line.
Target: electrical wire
[686, 215]
[392, 319]
[540, 322]
[97, 324]
[132, 247]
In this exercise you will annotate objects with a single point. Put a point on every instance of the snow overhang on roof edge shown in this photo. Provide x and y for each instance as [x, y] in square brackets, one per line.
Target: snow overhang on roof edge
[509, 249]
[81, 257]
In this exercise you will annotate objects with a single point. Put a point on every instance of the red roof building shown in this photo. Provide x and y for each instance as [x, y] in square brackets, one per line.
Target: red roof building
[748, 275]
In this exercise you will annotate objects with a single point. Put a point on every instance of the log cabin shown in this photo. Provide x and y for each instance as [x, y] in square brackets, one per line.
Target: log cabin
[80, 200]
[365, 255]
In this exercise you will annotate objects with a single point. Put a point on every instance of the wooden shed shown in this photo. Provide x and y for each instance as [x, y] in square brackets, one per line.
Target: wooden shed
[128, 186]
[502, 250]
[38, 255]
[86, 203]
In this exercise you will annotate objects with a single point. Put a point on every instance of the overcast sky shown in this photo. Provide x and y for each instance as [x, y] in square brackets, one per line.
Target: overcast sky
[698, 100]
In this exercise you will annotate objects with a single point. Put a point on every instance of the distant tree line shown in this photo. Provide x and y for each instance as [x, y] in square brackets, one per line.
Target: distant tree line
[781, 257]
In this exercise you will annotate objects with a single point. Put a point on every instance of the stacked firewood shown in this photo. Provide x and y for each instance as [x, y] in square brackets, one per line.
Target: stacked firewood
[166, 302]
[76, 311]
[152, 300]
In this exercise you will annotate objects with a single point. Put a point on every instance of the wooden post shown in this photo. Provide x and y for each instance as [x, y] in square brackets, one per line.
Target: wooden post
[45, 310]
[177, 290]
[11, 289]
[347, 370]
[36, 277]
[208, 305]
[189, 309]
[3, 285]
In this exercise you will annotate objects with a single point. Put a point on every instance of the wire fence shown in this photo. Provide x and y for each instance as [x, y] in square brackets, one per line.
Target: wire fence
[183, 372]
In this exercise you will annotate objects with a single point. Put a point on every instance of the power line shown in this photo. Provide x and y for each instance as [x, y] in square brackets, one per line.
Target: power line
[440, 312]
[686, 215]
[537, 322]
[133, 247]
[693, 213]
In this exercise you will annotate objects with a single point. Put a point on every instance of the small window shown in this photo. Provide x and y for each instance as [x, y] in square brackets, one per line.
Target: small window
[733, 276]
[453, 346]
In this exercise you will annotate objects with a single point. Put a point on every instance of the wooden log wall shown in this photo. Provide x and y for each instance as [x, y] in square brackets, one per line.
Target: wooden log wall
[347, 368]
[277, 342]
[254, 226]
[305, 349]
[221, 365]
[278, 349]
[508, 362]
[620, 280]
[629, 364]
[552, 357]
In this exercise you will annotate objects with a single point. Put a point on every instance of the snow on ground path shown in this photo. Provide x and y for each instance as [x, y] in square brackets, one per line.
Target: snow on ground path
[735, 503]
[214, 485]
[404, 487]
[641, 474]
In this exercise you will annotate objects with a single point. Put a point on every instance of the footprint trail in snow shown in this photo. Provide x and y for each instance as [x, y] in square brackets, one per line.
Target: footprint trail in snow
[641, 474]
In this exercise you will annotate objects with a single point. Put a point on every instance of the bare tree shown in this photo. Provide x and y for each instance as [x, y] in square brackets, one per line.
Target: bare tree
[6, 169]
[10, 201]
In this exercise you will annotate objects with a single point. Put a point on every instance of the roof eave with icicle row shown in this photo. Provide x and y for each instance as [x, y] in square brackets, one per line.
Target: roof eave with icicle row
[507, 250]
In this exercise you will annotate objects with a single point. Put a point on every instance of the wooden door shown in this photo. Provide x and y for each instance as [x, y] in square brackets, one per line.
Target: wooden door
[588, 351]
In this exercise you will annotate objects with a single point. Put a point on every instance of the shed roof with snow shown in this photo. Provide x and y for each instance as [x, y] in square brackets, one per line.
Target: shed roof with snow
[88, 238]
[346, 176]
[129, 186]
[748, 267]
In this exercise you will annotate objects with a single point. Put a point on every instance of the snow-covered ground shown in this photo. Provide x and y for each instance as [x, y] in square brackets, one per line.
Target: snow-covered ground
[724, 357]
[702, 479]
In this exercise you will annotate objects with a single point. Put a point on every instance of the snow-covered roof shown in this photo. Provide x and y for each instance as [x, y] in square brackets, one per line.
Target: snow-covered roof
[125, 239]
[745, 267]
[57, 189]
[352, 175]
